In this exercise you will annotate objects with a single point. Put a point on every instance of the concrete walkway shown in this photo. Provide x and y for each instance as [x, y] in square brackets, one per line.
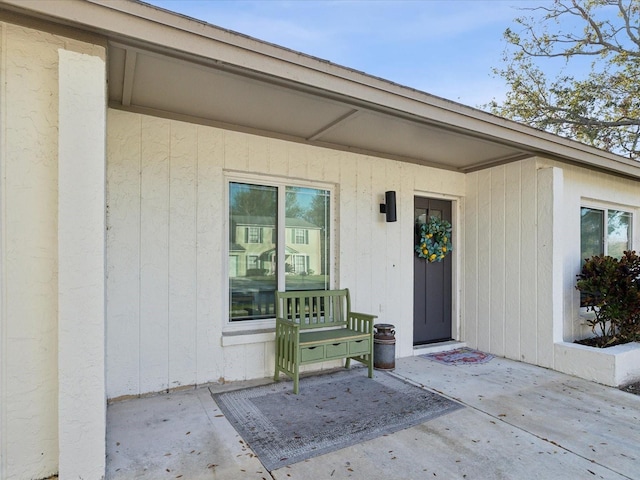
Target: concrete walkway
[520, 422]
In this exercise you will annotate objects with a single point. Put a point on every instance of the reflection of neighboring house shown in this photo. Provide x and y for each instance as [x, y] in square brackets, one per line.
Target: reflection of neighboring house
[255, 238]
[303, 252]
[253, 250]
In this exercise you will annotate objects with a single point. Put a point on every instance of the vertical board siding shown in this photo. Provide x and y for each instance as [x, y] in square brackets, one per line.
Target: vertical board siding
[346, 225]
[209, 248]
[154, 253]
[401, 300]
[471, 273]
[528, 264]
[512, 247]
[500, 260]
[182, 255]
[484, 260]
[167, 245]
[363, 249]
[123, 254]
[497, 255]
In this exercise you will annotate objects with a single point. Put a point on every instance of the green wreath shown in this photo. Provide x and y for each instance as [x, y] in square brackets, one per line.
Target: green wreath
[435, 240]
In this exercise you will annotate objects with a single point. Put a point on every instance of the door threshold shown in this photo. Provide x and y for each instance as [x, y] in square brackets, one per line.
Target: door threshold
[437, 347]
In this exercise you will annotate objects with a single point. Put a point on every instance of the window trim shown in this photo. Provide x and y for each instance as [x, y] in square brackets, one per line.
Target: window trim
[281, 183]
[606, 207]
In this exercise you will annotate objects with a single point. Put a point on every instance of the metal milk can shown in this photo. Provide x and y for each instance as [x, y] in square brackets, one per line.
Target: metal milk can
[384, 346]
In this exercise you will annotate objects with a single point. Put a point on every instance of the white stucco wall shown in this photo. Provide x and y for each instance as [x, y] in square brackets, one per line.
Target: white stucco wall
[167, 245]
[583, 186]
[29, 388]
[81, 266]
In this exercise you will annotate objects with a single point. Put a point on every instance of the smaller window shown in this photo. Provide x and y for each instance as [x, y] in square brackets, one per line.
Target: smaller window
[604, 232]
[252, 262]
[301, 236]
[300, 264]
[254, 235]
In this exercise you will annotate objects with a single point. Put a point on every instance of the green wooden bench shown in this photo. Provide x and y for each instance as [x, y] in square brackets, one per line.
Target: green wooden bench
[318, 325]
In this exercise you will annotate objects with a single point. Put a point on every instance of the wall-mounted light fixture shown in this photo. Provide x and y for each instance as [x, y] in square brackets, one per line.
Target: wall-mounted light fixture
[389, 207]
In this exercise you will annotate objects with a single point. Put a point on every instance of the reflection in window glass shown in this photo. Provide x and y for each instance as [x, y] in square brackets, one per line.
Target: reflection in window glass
[307, 239]
[252, 282]
[594, 240]
[618, 233]
[591, 232]
[253, 246]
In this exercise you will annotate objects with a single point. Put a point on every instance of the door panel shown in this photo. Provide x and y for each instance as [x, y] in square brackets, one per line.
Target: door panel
[432, 281]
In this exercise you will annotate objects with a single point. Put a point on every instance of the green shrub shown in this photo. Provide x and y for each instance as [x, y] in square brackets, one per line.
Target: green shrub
[610, 288]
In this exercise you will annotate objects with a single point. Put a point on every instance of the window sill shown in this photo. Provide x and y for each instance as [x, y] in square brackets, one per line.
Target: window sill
[245, 337]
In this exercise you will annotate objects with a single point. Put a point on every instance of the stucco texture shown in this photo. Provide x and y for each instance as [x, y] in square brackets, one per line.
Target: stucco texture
[28, 161]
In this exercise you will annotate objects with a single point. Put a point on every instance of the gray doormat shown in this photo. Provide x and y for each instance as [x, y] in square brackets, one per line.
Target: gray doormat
[332, 411]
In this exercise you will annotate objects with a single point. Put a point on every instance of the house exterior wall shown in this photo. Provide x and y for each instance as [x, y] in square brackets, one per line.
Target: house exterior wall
[522, 254]
[31, 91]
[587, 187]
[167, 245]
[81, 265]
[503, 311]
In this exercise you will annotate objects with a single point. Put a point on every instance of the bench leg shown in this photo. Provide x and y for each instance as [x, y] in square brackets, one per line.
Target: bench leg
[276, 375]
[296, 380]
[371, 366]
[347, 362]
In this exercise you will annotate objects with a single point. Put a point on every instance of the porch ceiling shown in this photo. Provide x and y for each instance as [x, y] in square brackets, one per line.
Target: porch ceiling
[159, 84]
[165, 64]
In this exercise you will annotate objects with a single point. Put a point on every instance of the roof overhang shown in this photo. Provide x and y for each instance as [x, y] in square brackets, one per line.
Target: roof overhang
[168, 65]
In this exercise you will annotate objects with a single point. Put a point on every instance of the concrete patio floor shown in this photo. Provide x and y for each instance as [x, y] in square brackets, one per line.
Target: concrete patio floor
[520, 422]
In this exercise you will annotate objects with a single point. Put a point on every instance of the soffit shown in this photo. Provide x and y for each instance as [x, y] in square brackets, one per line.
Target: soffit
[147, 81]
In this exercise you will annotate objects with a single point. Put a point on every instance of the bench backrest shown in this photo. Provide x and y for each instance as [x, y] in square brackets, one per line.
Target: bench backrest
[314, 308]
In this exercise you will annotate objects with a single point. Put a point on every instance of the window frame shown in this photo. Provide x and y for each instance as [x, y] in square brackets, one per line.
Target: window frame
[605, 208]
[281, 183]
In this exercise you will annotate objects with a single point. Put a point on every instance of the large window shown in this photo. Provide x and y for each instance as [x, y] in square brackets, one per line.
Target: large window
[604, 231]
[283, 233]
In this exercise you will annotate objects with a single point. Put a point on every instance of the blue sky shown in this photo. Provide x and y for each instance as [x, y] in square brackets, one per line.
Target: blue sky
[443, 47]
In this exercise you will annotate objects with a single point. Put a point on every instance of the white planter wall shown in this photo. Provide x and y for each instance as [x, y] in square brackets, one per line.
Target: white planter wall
[613, 366]
[166, 245]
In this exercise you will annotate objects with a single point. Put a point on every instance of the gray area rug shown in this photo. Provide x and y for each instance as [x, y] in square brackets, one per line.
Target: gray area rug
[331, 412]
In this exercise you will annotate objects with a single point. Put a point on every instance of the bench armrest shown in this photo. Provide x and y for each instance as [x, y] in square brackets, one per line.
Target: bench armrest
[286, 327]
[361, 322]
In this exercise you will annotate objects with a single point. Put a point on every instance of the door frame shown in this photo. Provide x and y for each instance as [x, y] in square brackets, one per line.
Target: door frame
[456, 260]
